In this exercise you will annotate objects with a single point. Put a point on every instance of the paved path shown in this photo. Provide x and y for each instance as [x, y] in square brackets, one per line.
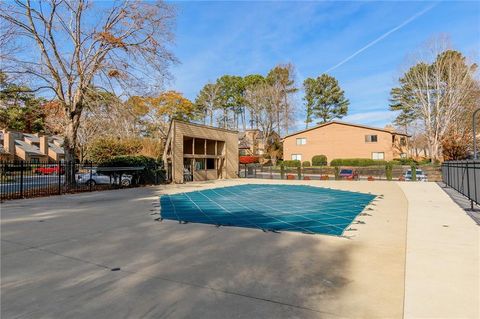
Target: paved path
[443, 251]
[58, 254]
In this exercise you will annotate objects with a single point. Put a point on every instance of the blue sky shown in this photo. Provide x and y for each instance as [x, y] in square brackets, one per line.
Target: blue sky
[240, 38]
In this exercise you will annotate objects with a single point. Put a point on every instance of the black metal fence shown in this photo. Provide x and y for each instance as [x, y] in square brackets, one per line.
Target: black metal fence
[24, 179]
[464, 177]
[331, 173]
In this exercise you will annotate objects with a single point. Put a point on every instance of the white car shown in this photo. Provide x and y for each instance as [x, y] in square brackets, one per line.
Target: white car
[421, 176]
[96, 178]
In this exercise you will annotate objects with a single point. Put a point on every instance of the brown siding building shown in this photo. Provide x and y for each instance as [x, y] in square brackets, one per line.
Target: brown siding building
[19, 146]
[195, 152]
[344, 140]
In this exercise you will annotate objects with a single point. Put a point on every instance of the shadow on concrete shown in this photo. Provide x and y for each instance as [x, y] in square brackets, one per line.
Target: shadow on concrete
[167, 269]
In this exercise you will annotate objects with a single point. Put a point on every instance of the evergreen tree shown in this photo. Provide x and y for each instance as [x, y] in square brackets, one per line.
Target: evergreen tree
[325, 100]
[20, 109]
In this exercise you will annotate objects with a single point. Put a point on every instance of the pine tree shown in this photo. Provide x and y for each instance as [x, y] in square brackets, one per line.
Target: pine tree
[325, 99]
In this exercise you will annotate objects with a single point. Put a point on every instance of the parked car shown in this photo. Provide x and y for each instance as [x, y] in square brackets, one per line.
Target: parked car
[349, 174]
[96, 178]
[421, 176]
[49, 170]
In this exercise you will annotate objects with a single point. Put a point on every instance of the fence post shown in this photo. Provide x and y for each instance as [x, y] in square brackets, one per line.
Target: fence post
[90, 183]
[447, 169]
[60, 177]
[468, 185]
[21, 179]
[475, 181]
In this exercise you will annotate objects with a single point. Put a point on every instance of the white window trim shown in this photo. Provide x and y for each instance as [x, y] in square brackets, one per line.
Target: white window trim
[303, 140]
[383, 155]
[296, 155]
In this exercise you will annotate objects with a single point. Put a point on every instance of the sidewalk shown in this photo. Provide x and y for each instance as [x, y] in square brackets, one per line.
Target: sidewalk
[442, 264]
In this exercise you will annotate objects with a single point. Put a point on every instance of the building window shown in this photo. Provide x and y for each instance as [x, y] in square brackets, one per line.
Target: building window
[301, 141]
[378, 155]
[370, 138]
[403, 155]
[403, 141]
[210, 163]
[297, 157]
[199, 164]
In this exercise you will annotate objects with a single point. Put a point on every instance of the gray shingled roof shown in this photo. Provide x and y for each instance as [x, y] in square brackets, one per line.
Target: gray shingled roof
[32, 137]
[30, 149]
[55, 148]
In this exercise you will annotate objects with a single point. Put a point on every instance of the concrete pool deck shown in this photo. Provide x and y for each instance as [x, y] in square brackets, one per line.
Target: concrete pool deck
[58, 252]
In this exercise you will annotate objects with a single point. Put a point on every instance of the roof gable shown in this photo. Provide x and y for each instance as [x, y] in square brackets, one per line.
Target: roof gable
[30, 149]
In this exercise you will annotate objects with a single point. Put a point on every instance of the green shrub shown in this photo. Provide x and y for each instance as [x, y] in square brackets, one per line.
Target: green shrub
[404, 161]
[128, 161]
[388, 171]
[306, 164]
[299, 173]
[425, 161]
[356, 162]
[292, 163]
[104, 148]
[319, 160]
[414, 172]
[152, 172]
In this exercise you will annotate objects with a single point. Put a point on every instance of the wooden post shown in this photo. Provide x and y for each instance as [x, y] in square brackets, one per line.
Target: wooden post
[192, 168]
[216, 159]
[224, 153]
[205, 158]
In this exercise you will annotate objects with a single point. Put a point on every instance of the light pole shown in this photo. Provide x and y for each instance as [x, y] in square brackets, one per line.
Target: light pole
[474, 134]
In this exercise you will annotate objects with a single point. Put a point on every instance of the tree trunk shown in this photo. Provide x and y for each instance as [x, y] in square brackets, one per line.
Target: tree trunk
[244, 118]
[287, 113]
[278, 120]
[69, 146]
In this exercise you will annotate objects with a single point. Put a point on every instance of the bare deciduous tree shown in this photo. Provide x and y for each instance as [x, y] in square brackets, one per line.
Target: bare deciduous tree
[262, 100]
[72, 46]
[282, 76]
[435, 90]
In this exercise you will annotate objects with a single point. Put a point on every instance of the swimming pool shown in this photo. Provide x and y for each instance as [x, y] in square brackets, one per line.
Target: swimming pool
[298, 208]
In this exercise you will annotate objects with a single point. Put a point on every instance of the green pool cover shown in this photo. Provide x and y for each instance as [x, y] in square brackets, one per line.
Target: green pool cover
[269, 207]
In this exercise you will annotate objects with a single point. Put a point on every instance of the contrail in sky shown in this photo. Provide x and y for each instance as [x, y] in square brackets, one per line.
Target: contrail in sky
[383, 36]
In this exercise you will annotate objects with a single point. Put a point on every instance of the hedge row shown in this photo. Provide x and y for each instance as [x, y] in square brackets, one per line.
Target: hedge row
[319, 160]
[128, 161]
[292, 163]
[357, 162]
